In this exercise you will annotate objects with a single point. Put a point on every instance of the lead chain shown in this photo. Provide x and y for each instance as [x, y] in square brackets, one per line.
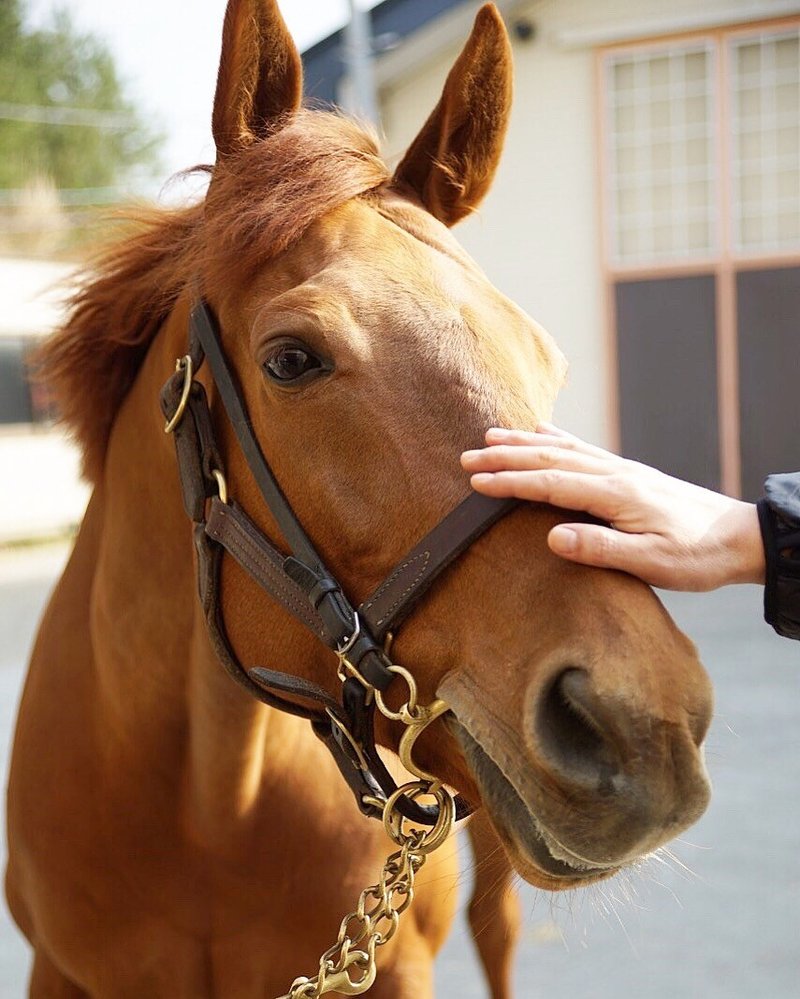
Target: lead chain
[349, 966]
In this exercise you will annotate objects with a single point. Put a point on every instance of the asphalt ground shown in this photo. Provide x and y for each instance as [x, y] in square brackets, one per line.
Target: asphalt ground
[718, 917]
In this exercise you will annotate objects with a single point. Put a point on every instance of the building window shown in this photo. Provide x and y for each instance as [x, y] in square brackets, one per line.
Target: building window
[21, 400]
[765, 121]
[662, 155]
[701, 196]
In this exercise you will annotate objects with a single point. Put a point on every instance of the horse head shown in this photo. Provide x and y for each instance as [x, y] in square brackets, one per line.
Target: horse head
[371, 350]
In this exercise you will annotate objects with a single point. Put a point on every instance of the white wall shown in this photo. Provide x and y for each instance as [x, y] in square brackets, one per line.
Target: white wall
[537, 234]
[32, 293]
[41, 494]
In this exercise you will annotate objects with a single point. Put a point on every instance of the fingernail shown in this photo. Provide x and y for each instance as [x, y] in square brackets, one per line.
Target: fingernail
[563, 539]
[499, 432]
[481, 478]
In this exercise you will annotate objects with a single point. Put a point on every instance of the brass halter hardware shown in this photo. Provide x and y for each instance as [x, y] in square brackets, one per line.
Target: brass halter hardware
[349, 967]
[185, 365]
[222, 485]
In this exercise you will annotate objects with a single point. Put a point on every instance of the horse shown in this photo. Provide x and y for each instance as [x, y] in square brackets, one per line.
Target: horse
[170, 834]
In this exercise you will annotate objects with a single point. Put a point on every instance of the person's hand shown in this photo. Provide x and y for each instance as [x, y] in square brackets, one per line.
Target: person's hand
[669, 533]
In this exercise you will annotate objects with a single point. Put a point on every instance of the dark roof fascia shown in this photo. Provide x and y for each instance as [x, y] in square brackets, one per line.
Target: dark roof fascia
[324, 63]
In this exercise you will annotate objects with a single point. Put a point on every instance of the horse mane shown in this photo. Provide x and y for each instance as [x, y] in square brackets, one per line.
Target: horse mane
[260, 201]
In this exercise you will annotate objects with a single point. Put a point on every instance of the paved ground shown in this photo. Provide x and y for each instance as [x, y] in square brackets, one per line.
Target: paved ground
[724, 926]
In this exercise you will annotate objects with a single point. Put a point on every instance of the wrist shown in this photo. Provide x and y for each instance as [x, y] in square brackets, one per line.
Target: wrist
[748, 563]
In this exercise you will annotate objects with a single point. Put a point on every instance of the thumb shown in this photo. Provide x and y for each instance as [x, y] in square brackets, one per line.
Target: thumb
[600, 546]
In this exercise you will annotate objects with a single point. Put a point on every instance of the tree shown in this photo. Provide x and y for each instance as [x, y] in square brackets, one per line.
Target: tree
[63, 113]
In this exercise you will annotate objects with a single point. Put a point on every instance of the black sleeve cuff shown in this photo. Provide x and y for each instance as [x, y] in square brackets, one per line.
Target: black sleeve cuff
[779, 519]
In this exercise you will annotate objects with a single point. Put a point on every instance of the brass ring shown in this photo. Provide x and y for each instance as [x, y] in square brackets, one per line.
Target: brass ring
[408, 713]
[430, 839]
[372, 801]
[182, 364]
[348, 643]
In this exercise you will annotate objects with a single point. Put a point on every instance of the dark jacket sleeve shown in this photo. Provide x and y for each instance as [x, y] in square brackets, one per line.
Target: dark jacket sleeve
[779, 517]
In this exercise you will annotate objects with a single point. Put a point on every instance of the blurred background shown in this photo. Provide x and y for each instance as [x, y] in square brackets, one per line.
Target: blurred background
[647, 212]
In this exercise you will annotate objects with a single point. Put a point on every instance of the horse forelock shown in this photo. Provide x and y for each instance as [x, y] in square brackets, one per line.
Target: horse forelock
[259, 203]
[262, 201]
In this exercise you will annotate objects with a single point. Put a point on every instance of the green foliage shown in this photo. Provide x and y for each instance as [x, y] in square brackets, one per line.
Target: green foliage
[60, 68]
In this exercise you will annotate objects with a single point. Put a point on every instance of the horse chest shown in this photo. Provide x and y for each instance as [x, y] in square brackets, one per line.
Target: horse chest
[132, 897]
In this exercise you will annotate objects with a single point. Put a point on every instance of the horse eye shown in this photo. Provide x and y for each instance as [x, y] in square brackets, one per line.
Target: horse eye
[290, 362]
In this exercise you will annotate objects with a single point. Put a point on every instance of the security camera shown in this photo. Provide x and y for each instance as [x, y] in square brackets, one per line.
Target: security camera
[523, 29]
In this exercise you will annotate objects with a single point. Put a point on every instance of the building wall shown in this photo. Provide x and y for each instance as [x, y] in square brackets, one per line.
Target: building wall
[538, 232]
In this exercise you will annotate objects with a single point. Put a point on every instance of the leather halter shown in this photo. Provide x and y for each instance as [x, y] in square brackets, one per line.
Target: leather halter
[300, 582]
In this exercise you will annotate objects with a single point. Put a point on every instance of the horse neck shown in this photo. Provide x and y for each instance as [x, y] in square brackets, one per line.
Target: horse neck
[164, 697]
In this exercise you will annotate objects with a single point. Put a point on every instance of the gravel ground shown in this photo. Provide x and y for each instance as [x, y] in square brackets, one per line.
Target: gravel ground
[719, 919]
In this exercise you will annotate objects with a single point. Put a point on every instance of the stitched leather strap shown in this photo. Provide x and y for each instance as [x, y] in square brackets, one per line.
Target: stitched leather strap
[409, 581]
[233, 529]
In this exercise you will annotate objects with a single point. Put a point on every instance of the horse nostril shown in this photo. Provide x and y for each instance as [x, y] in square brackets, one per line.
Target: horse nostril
[572, 733]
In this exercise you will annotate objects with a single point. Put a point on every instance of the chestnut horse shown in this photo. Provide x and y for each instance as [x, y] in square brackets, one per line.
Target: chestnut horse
[171, 836]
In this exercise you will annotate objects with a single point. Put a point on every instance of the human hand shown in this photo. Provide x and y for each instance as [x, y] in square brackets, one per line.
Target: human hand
[670, 533]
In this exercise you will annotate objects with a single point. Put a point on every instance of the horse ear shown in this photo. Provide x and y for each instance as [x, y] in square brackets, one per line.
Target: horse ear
[260, 77]
[452, 162]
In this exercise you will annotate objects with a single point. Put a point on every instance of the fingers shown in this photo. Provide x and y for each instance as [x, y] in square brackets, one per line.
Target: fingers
[553, 430]
[503, 435]
[545, 434]
[499, 435]
[596, 494]
[606, 548]
[526, 458]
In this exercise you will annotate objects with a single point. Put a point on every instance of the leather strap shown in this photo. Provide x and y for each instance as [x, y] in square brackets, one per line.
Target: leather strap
[394, 599]
[209, 558]
[204, 328]
[261, 683]
[195, 446]
[228, 525]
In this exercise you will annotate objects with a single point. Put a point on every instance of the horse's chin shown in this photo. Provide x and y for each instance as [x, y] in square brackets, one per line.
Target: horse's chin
[534, 851]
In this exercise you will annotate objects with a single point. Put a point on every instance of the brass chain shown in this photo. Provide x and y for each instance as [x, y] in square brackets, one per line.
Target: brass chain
[349, 967]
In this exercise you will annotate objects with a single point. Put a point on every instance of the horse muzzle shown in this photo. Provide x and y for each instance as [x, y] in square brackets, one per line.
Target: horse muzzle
[590, 784]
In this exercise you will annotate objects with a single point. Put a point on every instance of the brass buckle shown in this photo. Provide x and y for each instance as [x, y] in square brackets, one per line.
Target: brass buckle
[222, 485]
[348, 643]
[346, 668]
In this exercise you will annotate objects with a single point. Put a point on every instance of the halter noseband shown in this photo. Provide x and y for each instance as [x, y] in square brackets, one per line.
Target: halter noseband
[300, 582]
